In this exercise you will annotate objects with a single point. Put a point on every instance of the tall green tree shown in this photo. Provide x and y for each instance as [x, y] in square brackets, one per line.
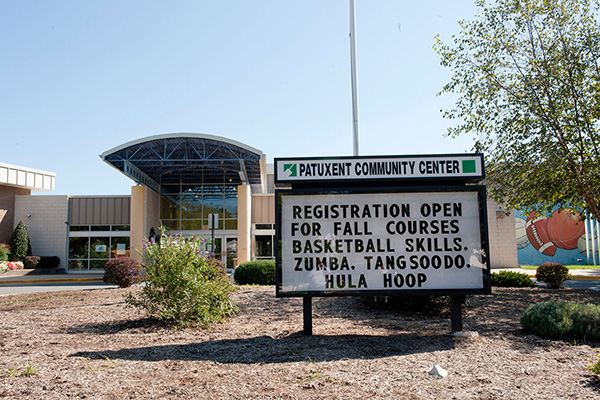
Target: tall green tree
[527, 77]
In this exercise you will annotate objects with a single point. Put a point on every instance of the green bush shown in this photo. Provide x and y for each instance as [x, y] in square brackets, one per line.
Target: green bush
[123, 271]
[31, 262]
[4, 252]
[183, 286]
[511, 279]
[259, 272]
[586, 321]
[554, 274]
[19, 243]
[595, 367]
[555, 320]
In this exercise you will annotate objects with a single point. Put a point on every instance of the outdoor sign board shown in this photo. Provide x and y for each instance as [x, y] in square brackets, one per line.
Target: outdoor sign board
[467, 167]
[417, 240]
[381, 225]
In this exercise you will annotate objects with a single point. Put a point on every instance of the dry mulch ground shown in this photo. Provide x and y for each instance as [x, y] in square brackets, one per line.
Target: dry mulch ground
[87, 344]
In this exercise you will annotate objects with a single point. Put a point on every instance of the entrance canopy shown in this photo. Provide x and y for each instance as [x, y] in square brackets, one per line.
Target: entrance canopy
[163, 162]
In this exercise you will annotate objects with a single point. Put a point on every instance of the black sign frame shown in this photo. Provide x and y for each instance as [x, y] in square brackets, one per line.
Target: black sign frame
[367, 189]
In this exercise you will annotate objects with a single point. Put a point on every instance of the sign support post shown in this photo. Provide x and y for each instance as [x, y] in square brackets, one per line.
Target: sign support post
[456, 303]
[307, 311]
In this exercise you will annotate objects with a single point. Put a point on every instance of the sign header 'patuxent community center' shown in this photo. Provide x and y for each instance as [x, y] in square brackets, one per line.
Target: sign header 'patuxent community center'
[466, 167]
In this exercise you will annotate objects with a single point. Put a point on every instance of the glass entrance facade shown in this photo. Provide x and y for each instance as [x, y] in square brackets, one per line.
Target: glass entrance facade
[186, 208]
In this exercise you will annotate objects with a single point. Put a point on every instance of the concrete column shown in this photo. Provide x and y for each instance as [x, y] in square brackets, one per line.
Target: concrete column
[244, 223]
[137, 222]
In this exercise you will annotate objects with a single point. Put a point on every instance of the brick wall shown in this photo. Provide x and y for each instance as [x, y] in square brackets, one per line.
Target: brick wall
[503, 242]
[7, 210]
[47, 226]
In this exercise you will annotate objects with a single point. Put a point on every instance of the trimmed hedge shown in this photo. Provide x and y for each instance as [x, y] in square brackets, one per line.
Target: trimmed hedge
[554, 274]
[259, 272]
[511, 279]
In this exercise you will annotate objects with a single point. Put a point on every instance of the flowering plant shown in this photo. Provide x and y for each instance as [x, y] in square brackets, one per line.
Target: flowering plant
[10, 265]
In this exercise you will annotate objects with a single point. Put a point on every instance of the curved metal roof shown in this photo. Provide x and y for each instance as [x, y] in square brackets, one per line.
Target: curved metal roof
[193, 159]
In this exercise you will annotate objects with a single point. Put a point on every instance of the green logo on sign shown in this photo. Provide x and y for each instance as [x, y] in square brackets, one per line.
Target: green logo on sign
[469, 166]
[291, 168]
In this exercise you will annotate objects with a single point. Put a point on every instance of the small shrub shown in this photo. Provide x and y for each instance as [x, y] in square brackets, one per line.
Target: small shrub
[595, 367]
[123, 271]
[554, 274]
[49, 262]
[4, 252]
[182, 285]
[550, 319]
[19, 243]
[586, 321]
[259, 272]
[555, 320]
[511, 279]
[31, 262]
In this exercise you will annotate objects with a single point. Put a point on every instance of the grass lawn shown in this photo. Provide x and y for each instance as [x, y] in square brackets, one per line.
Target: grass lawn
[568, 266]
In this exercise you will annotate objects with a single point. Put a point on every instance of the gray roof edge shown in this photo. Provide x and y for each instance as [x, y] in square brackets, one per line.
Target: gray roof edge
[181, 135]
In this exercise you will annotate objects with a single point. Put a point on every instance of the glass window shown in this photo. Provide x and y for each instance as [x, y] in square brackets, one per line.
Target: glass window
[189, 210]
[79, 228]
[231, 206]
[99, 247]
[120, 228]
[263, 226]
[213, 204]
[171, 224]
[100, 228]
[97, 264]
[192, 225]
[78, 247]
[169, 207]
[231, 224]
[231, 252]
[119, 246]
[191, 206]
[264, 246]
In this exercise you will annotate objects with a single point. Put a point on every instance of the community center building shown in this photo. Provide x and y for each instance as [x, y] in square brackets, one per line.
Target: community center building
[179, 181]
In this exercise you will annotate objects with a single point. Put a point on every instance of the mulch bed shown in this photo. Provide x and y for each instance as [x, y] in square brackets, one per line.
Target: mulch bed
[87, 344]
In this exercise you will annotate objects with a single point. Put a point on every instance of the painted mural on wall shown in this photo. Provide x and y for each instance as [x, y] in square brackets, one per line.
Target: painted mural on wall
[560, 237]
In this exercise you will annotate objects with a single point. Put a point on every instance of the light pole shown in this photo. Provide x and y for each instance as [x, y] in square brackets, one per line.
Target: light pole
[353, 78]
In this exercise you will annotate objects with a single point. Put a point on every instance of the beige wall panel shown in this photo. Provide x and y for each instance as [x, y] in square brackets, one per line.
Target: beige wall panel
[503, 242]
[99, 210]
[263, 209]
[47, 226]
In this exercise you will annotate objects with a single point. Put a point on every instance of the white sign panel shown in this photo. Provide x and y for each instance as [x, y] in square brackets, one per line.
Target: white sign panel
[381, 242]
[463, 166]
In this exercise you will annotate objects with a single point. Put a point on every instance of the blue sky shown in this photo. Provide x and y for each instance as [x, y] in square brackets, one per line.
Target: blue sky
[78, 78]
